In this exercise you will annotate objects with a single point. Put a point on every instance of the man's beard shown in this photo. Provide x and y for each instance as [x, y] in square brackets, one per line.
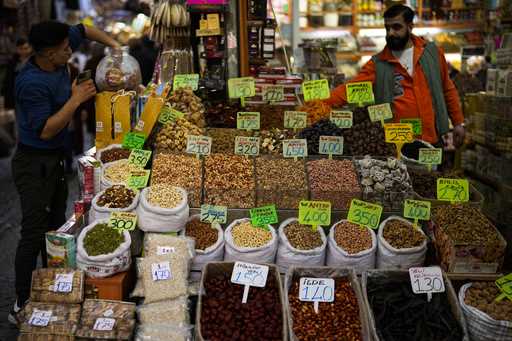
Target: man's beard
[396, 43]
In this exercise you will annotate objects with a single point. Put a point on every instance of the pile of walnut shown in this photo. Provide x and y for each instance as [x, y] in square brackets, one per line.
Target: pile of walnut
[185, 101]
[173, 136]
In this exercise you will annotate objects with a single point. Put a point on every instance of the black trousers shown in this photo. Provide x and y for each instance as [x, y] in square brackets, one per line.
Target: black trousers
[40, 180]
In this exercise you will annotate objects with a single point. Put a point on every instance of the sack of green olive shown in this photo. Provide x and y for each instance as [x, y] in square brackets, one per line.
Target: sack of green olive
[162, 208]
[209, 242]
[103, 251]
[116, 198]
[300, 245]
[248, 243]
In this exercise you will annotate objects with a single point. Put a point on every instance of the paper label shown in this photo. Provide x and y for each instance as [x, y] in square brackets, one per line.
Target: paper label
[295, 119]
[364, 213]
[343, 119]
[123, 221]
[248, 120]
[245, 145]
[241, 87]
[427, 280]
[330, 145]
[360, 93]
[417, 126]
[315, 213]
[380, 112]
[186, 81]
[139, 157]
[63, 282]
[213, 21]
[273, 93]
[316, 289]
[104, 324]
[430, 156]
[199, 145]
[118, 127]
[214, 214]
[317, 89]
[505, 285]
[168, 115]
[398, 133]
[164, 250]
[295, 148]
[254, 275]
[417, 209]
[40, 318]
[161, 271]
[134, 140]
[454, 190]
[262, 216]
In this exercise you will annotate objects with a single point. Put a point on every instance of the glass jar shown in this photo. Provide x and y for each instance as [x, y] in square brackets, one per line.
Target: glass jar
[118, 70]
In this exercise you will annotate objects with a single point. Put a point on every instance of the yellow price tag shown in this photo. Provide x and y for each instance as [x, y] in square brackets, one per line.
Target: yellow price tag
[273, 93]
[454, 190]
[364, 213]
[123, 221]
[139, 157]
[187, 80]
[342, 119]
[246, 145]
[248, 120]
[318, 89]
[380, 112]
[295, 148]
[360, 93]
[315, 213]
[213, 21]
[295, 119]
[241, 87]
[398, 133]
[199, 145]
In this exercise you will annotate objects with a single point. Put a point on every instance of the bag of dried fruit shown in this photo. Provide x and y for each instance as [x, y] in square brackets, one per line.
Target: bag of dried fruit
[351, 246]
[247, 243]
[400, 244]
[162, 208]
[300, 245]
[209, 241]
[102, 251]
[487, 320]
[116, 198]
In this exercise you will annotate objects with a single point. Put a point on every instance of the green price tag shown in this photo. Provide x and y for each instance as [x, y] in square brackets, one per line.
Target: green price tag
[417, 127]
[315, 213]
[186, 81]
[134, 140]
[380, 112]
[454, 190]
[360, 93]
[262, 216]
[245, 145]
[138, 179]
[417, 210]
[241, 87]
[273, 93]
[214, 214]
[122, 221]
[330, 145]
[430, 156]
[248, 120]
[295, 119]
[168, 114]
[505, 285]
[343, 119]
[295, 148]
[199, 145]
[364, 213]
[139, 157]
[318, 89]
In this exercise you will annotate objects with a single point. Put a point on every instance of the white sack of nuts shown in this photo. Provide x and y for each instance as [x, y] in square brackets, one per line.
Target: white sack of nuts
[162, 208]
[116, 172]
[287, 255]
[102, 212]
[339, 257]
[258, 250]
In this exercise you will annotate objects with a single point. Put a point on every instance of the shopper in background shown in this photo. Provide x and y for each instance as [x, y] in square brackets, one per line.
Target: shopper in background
[145, 52]
[46, 100]
[23, 52]
[412, 75]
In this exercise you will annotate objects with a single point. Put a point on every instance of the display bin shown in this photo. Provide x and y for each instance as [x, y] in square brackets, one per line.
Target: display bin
[327, 272]
[223, 139]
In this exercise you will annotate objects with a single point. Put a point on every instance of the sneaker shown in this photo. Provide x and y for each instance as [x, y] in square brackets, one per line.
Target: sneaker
[13, 314]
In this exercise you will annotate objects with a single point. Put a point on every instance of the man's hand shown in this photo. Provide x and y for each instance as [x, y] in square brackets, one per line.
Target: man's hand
[83, 91]
[458, 135]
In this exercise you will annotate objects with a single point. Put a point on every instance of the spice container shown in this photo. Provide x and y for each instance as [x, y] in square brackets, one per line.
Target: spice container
[164, 277]
[229, 181]
[209, 242]
[281, 182]
[395, 311]
[351, 246]
[466, 241]
[123, 314]
[342, 319]
[172, 137]
[114, 152]
[179, 170]
[44, 281]
[118, 71]
[223, 139]
[116, 198]
[300, 245]
[333, 180]
[63, 320]
[262, 317]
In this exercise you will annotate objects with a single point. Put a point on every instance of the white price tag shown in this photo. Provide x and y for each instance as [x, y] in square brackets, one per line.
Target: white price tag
[249, 274]
[40, 318]
[427, 280]
[161, 271]
[63, 282]
[164, 250]
[104, 324]
[316, 289]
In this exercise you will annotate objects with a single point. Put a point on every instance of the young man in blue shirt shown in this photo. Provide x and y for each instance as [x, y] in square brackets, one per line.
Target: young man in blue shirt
[46, 100]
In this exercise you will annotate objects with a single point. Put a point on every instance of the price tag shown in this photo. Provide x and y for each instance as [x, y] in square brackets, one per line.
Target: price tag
[398, 133]
[364, 213]
[505, 285]
[245, 145]
[330, 145]
[417, 210]
[63, 283]
[138, 179]
[430, 156]
[199, 145]
[343, 119]
[318, 89]
[380, 112]
[427, 280]
[161, 271]
[186, 81]
[213, 21]
[360, 93]
[248, 120]
[164, 250]
[248, 274]
[211, 214]
[104, 324]
[168, 114]
[40, 318]
[295, 119]
[295, 148]
[315, 213]
[139, 157]
[241, 87]
[316, 289]
[262, 216]
[123, 221]
[417, 127]
[454, 190]
[134, 140]
[273, 93]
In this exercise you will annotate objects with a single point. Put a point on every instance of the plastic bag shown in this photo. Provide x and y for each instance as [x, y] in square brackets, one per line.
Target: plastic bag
[163, 332]
[158, 244]
[169, 312]
[389, 257]
[100, 212]
[164, 277]
[287, 255]
[262, 254]
[360, 261]
[157, 219]
[481, 326]
[138, 291]
[212, 253]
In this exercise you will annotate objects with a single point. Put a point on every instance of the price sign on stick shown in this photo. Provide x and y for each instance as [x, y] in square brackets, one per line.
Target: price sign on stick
[295, 119]
[139, 157]
[241, 88]
[199, 145]
[314, 213]
[318, 89]
[380, 112]
[246, 145]
[134, 140]
[417, 127]
[505, 285]
[330, 145]
[454, 190]
[248, 274]
[427, 280]
[214, 214]
[63, 283]
[138, 179]
[187, 80]
[295, 148]
[417, 210]
[123, 221]
[273, 93]
[316, 290]
[399, 134]
[364, 213]
[360, 93]
[262, 216]
[342, 119]
[248, 120]
[168, 115]
[430, 156]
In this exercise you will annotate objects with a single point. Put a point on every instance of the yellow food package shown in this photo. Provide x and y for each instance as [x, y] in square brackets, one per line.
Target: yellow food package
[150, 114]
[121, 109]
[103, 102]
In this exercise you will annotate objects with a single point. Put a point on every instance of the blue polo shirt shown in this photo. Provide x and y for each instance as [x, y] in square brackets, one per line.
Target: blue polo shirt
[40, 94]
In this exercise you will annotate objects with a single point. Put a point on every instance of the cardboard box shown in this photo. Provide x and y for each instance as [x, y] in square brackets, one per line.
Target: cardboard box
[117, 287]
[61, 250]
